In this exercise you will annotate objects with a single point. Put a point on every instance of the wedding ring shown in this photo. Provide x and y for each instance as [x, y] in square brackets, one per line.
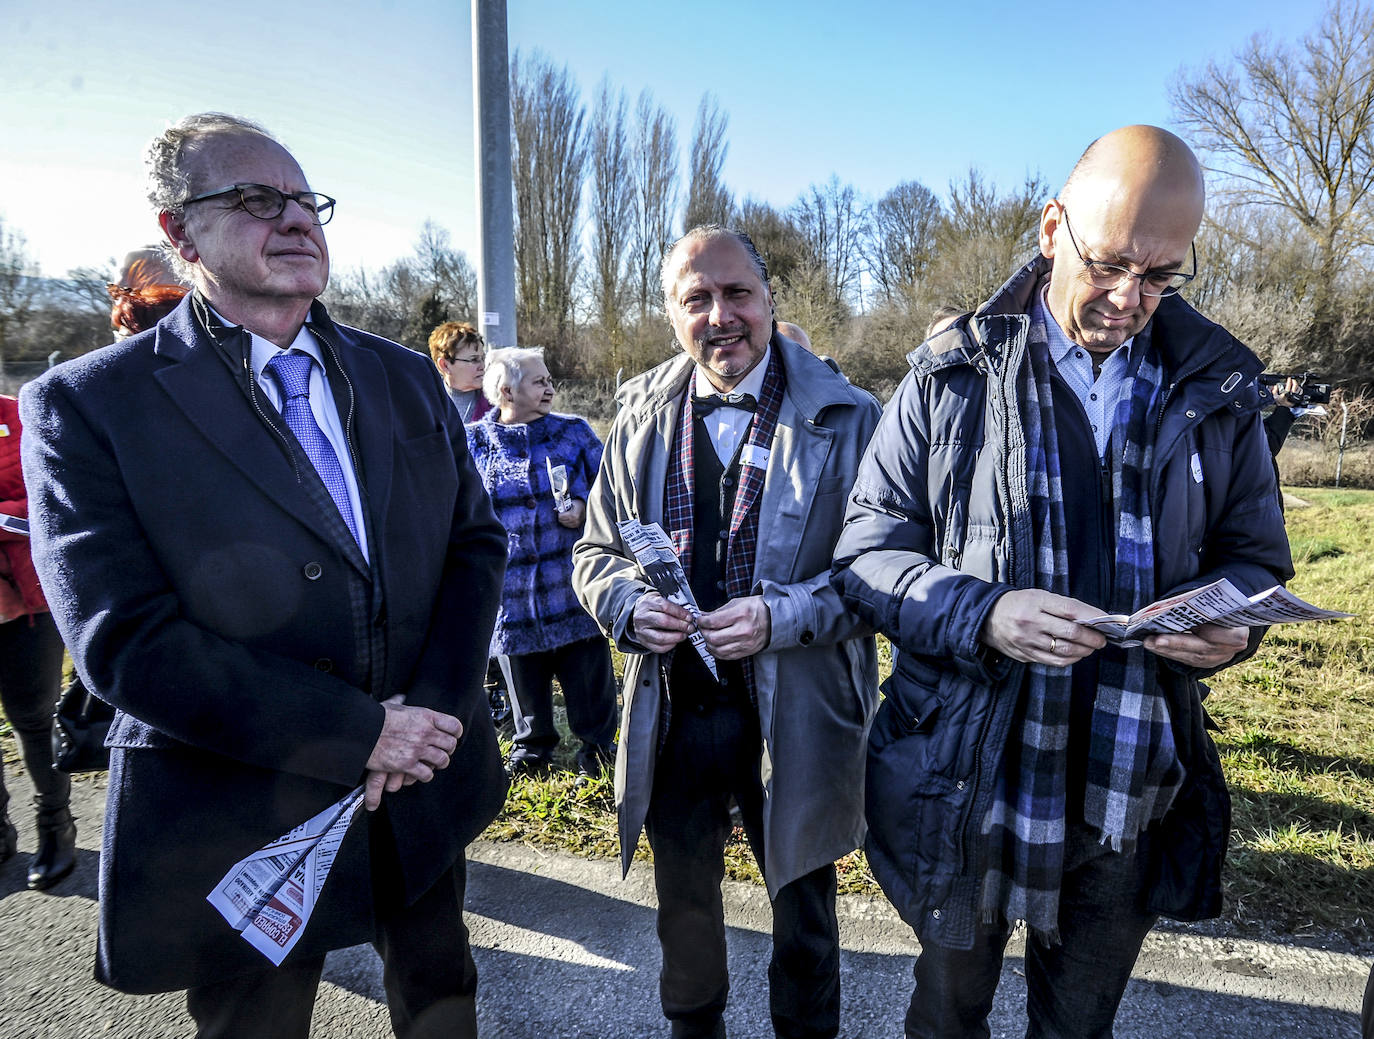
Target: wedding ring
[1054, 646]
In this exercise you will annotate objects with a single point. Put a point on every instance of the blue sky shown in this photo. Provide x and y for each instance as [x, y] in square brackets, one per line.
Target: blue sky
[375, 98]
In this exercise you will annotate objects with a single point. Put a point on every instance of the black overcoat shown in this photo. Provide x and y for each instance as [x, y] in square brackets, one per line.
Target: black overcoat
[204, 591]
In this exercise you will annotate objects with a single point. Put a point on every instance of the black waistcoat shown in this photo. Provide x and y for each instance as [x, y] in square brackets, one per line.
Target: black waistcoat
[713, 500]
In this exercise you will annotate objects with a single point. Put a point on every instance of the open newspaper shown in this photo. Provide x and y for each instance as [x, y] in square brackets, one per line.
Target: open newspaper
[1220, 602]
[268, 897]
[654, 552]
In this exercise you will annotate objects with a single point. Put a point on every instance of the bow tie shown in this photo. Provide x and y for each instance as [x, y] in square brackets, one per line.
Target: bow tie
[703, 406]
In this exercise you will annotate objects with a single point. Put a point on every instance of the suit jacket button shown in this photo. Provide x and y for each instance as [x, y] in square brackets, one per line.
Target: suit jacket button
[806, 638]
[312, 571]
[324, 664]
[530, 503]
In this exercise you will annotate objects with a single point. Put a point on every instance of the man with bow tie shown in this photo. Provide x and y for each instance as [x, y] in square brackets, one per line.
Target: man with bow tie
[265, 544]
[744, 449]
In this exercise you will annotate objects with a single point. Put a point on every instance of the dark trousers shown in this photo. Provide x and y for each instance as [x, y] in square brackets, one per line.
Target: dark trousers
[430, 979]
[30, 681]
[1074, 988]
[583, 669]
[712, 754]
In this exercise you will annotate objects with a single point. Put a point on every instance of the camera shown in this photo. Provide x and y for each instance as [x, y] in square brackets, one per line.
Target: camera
[1309, 391]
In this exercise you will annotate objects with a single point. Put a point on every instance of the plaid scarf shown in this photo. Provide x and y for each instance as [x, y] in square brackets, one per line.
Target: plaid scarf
[742, 545]
[1133, 769]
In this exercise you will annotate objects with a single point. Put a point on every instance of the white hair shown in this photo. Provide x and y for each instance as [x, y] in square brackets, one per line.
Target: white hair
[506, 367]
[169, 163]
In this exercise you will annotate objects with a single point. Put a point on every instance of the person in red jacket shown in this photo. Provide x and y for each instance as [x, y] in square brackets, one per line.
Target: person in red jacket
[30, 677]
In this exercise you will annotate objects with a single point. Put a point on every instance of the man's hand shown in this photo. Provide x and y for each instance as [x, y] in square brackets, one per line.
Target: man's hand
[415, 743]
[658, 624]
[1208, 645]
[1038, 627]
[572, 519]
[739, 629]
[1284, 395]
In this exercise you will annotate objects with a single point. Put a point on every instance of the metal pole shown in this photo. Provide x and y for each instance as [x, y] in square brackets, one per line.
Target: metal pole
[491, 129]
[1340, 454]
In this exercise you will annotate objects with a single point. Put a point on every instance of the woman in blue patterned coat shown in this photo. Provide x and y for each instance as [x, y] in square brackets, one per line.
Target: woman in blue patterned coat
[541, 630]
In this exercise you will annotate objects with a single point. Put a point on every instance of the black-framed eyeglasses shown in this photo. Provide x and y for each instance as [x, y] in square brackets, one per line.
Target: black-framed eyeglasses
[1113, 275]
[267, 203]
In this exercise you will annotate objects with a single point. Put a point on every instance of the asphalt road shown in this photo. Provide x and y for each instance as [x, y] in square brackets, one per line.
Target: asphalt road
[566, 950]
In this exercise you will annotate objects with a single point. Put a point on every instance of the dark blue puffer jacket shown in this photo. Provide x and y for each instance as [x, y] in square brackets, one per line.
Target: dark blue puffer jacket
[938, 528]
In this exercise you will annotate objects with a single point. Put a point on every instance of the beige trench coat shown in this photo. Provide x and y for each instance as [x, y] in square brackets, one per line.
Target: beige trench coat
[818, 677]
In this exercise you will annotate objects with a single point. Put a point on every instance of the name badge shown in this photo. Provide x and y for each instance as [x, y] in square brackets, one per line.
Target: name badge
[1196, 464]
[753, 454]
[4, 430]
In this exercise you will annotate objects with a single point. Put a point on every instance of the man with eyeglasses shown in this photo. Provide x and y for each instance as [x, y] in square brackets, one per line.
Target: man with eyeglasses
[256, 528]
[1083, 443]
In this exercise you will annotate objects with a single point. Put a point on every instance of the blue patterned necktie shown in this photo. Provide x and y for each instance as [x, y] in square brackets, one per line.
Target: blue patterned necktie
[292, 372]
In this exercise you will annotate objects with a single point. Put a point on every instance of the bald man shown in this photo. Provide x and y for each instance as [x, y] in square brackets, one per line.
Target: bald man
[1083, 443]
[795, 333]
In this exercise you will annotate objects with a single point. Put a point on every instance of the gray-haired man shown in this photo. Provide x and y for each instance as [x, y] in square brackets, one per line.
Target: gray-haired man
[256, 528]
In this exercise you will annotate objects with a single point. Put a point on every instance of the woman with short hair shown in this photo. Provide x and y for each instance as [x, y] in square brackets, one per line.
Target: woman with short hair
[459, 352]
[538, 467]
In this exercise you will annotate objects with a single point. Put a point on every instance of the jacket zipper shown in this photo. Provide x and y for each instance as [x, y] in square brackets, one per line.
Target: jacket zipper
[352, 402]
[257, 407]
[978, 745]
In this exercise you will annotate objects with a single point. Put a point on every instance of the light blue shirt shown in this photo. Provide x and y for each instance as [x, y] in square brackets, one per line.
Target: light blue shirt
[1100, 394]
[322, 406]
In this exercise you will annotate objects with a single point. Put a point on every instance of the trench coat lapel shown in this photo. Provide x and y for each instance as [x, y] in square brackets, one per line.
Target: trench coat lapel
[796, 462]
[652, 443]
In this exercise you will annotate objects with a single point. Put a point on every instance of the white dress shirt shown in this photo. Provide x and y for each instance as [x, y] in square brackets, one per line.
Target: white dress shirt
[321, 405]
[1100, 394]
[727, 426]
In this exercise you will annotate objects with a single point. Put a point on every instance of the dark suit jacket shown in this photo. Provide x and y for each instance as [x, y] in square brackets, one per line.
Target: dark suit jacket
[206, 591]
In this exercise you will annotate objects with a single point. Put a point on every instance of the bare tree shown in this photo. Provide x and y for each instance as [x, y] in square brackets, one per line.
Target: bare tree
[452, 280]
[1292, 129]
[612, 204]
[548, 153]
[407, 298]
[777, 238]
[832, 219]
[708, 201]
[901, 238]
[653, 172]
[19, 288]
[981, 239]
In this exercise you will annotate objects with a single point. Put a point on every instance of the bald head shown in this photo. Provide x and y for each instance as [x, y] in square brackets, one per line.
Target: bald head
[795, 333]
[1139, 172]
[1133, 201]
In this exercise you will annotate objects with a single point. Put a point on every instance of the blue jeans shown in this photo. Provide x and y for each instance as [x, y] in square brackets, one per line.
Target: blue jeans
[1074, 988]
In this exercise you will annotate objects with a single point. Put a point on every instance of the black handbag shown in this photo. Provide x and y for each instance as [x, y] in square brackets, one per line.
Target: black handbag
[79, 727]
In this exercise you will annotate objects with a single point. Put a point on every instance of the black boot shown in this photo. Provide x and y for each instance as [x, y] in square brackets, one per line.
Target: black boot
[56, 855]
[9, 838]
